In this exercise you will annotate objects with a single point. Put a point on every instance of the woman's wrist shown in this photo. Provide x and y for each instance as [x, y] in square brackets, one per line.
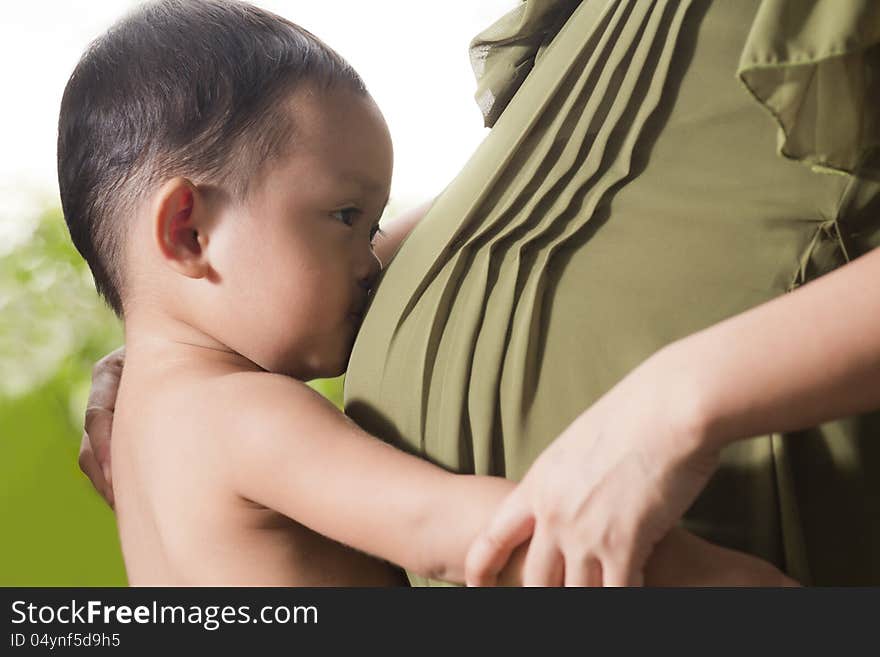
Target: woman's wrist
[694, 400]
[796, 361]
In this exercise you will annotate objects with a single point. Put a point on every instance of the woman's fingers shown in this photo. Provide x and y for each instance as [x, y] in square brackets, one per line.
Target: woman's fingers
[89, 464]
[105, 379]
[92, 469]
[512, 525]
[544, 564]
[619, 556]
[94, 457]
[583, 571]
[98, 425]
[621, 573]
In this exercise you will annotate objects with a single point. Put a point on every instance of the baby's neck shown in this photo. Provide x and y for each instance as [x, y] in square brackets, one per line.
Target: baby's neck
[162, 340]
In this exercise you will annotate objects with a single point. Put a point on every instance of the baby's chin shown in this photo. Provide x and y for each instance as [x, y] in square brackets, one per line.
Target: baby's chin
[339, 368]
[332, 372]
[324, 368]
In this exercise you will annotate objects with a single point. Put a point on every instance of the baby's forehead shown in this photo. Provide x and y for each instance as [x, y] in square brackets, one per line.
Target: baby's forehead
[341, 132]
[336, 113]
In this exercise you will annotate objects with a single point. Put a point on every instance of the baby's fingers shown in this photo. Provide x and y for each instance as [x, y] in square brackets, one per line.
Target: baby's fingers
[512, 525]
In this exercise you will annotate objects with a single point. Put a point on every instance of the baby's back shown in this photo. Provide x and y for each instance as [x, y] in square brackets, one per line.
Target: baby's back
[180, 519]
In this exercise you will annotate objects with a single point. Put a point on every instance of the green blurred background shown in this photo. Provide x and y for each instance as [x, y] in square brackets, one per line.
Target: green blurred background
[53, 327]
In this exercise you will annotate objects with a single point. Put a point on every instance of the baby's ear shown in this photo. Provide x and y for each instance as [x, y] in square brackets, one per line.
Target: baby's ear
[181, 224]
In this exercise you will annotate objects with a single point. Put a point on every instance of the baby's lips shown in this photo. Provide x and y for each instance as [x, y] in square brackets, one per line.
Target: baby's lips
[359, 311]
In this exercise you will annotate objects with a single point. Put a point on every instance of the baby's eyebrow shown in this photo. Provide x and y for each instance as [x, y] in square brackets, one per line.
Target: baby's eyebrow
[364, 182]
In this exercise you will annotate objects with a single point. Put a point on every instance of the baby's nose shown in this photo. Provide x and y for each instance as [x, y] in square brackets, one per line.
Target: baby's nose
[371, 272]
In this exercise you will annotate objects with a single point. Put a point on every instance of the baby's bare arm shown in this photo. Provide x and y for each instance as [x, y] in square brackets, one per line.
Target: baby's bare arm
[684, 559]
[294, 452]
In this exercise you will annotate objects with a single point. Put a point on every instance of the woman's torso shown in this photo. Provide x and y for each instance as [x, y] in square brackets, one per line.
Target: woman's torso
[629, 195]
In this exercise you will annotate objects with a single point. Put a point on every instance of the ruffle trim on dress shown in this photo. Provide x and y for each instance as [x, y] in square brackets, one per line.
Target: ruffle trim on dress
[504, 54]
[815, 66]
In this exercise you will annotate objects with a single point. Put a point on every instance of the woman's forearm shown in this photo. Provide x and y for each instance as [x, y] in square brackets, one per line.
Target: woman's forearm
[807, 357]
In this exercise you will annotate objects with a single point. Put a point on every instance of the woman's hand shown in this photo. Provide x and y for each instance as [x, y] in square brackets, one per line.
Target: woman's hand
[683, 559]
[597, 501]
[94, 451]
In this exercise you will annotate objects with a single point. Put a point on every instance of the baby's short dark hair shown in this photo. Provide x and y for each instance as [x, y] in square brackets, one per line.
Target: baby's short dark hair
[177, 87]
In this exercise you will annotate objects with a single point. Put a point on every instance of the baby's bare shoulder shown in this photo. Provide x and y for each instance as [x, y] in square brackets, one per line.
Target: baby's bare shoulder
[256, 394]
[191, 408]
[256, 408]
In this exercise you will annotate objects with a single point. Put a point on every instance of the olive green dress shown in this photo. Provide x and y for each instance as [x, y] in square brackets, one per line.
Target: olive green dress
[654, 167]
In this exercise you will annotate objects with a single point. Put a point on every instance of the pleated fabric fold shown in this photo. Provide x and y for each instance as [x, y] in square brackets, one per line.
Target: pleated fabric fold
[602, 77]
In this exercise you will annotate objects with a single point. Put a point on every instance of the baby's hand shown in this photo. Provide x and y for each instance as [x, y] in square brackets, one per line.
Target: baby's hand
[94, 451]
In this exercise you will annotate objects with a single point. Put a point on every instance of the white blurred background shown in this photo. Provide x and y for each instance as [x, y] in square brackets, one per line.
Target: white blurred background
[412, 54]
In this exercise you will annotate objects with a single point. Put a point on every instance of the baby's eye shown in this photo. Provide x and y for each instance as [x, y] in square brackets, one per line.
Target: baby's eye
[346, 215]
